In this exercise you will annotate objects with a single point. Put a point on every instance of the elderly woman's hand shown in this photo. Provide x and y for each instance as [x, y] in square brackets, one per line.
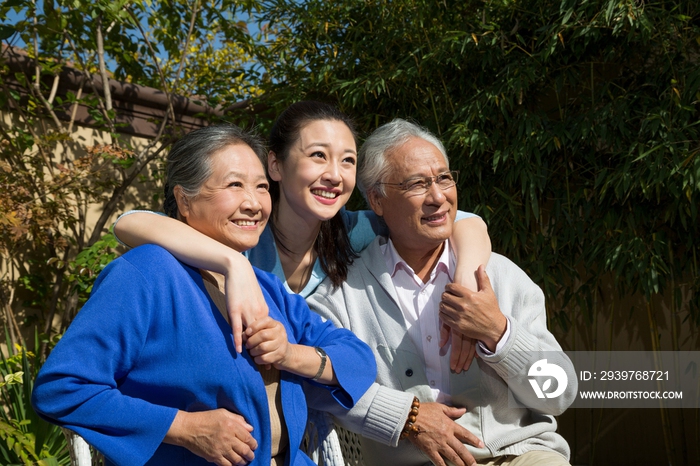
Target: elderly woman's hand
[268, 345]
[219, 436]
[267, 342]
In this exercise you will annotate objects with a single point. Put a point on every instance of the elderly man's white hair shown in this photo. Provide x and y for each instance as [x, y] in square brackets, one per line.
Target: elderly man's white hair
[374, 167]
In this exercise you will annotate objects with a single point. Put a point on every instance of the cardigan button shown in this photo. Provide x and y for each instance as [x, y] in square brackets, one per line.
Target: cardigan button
[409, 372]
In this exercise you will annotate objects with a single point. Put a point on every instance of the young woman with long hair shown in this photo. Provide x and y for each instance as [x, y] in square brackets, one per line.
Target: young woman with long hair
[311, 164]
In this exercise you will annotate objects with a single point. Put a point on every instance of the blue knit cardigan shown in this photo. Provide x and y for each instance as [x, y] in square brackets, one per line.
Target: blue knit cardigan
[150, 341]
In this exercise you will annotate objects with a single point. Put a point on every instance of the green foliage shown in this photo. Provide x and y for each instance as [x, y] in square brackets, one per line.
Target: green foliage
[25, 438]
[51, 180]
[575, 124]
[87, 265]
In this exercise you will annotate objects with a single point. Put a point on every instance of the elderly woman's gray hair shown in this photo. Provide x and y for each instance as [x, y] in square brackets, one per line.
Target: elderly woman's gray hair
[375, 168]
[189, 161]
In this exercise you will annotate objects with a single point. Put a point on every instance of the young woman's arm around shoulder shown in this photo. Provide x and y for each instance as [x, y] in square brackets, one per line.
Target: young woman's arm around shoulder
[472, 247]
[244, 299]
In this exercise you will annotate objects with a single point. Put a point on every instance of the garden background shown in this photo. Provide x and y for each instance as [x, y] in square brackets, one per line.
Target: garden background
[575, 126]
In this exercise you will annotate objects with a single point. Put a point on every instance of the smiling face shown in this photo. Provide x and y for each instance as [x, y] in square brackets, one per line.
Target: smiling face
[318, 175]
[233, 204]
[418, 224]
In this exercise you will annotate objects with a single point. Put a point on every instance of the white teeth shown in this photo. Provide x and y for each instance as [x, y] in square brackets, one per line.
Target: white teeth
[326, 194]
[434, 217]
[245, 223]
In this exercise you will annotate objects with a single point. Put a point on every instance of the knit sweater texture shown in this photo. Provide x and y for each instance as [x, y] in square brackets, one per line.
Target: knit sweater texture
[367, 304]
[150, 341]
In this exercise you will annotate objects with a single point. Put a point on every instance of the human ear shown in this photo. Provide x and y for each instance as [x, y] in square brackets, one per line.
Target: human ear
[273, 167]
[183, 202]
[375, 203]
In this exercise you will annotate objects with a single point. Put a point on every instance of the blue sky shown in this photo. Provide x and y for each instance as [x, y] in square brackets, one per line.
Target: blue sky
[13, 17]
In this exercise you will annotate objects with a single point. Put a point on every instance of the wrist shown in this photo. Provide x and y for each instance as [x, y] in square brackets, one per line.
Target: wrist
[496, 333]
[231, 261]
[292, 359]
[410, 425]
[322, 366]
[176, 434]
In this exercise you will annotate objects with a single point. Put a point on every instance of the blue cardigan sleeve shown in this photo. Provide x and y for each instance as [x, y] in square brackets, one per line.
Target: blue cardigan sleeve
[353, 361]
[364, 225]
[80, 377]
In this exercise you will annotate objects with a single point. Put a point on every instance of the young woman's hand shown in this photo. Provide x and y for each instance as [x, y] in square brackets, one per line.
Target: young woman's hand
[472, 246]
[244, 299]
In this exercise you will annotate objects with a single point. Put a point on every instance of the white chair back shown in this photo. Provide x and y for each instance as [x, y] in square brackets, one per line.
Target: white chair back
[81, 453]
[328, 444]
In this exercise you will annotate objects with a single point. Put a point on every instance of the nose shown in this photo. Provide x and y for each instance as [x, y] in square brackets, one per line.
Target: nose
[251, 202]
[435, 194]
[332, 173]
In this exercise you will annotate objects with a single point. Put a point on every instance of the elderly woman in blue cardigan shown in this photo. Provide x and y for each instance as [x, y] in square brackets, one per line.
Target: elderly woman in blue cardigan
[148, 372]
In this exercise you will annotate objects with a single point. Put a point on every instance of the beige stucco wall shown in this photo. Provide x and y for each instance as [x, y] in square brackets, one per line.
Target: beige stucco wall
[138, 195]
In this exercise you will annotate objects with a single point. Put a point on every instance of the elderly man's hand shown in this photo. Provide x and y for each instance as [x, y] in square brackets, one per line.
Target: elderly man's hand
[219, 436]
[474, 314]
[441, 438]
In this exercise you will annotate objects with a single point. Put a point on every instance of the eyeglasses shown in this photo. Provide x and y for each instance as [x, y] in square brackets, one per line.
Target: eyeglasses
[421, 184]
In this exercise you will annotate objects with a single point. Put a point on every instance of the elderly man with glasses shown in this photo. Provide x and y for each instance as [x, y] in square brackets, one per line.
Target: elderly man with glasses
[398, 294]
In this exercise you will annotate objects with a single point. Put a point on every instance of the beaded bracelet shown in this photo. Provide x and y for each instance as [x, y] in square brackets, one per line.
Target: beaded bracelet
[411, 421]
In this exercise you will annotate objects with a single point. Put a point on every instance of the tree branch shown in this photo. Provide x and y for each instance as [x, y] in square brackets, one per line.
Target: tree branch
[103, 68]
[111, 205]
[55, 295]
[54, 89]
[88, 75]
[76, 104]
[187, 43]
[36, 90]
[37, 67]
[7, 307]
[37, 74]
[30, 127]
[161, 76]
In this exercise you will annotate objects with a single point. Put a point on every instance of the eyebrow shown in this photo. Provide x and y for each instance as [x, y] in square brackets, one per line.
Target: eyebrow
[416, 175]
[326, 145]
[242, 175]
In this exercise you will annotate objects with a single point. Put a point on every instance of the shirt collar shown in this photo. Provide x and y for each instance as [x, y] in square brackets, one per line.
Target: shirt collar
[394, 262]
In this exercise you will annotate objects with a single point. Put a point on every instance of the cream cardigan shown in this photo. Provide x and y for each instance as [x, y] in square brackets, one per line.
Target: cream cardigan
[366, 304]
